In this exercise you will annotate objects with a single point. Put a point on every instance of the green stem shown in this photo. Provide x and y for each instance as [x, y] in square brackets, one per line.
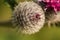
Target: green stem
[6, 23]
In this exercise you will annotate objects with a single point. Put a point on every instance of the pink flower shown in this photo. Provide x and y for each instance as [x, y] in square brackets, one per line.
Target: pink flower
[55, 4]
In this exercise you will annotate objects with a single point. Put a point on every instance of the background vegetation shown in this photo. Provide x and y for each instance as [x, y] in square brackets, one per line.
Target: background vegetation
[8, 33]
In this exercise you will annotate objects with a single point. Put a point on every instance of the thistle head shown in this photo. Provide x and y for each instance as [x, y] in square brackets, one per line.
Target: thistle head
[55, 4]
[28, 17]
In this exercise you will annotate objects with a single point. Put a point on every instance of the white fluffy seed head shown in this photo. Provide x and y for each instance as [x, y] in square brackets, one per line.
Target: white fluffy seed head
[52, 17]
[29, 17]
[55, 18]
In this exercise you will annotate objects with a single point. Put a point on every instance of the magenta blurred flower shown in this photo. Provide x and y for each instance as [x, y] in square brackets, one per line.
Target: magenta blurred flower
[55, 4]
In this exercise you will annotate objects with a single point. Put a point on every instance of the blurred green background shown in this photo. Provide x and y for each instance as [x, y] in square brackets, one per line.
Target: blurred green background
[8, 33]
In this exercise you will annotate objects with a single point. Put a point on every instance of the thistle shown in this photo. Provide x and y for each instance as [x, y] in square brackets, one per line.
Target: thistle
[54, 5]
[51, 9]
[28, 17]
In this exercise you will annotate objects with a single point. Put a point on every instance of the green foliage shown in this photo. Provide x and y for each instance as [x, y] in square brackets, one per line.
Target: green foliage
[11, 36]
[12, 3]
